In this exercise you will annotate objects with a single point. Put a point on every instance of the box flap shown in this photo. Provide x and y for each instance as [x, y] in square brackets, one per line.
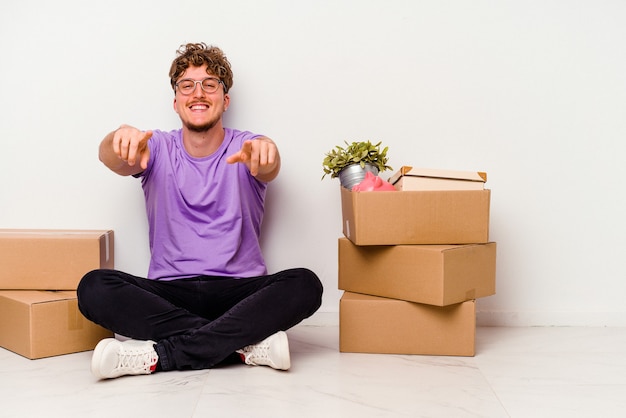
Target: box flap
[438, 173]
[53, 233]
[31, 297]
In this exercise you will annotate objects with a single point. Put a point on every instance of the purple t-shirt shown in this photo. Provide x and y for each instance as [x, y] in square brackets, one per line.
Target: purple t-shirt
[204, 214]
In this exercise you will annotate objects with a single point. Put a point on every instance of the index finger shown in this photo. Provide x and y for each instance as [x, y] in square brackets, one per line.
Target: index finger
[242, 155]
[138, 147]
[246, 149]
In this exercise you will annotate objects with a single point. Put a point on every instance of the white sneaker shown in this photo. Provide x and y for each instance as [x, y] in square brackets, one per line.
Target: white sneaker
[272, 351]
[113, 358]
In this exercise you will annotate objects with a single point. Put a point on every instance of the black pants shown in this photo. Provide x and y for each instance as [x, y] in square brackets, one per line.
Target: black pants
[198, 322]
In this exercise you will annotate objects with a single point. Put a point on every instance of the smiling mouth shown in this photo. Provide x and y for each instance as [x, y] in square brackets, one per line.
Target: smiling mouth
[199, 106]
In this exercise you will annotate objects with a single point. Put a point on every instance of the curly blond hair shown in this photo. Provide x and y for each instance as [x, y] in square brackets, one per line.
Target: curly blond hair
[198, 54]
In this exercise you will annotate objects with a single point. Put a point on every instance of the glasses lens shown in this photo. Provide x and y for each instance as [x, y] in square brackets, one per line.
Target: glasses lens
[186, 86]
[210, 85]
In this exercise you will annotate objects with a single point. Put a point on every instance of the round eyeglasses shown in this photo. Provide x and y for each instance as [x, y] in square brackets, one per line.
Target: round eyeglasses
[186, 86]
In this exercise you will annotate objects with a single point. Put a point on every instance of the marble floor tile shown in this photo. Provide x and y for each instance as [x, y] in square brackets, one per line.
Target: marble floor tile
[517, 372]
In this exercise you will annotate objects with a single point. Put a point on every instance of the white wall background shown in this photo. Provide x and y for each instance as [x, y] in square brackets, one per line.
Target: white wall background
[532, 92]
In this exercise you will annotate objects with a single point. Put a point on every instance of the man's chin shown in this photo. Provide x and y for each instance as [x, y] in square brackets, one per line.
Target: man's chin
[200, 128]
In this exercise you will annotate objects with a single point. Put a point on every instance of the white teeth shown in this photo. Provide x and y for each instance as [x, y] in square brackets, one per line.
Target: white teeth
[198, 107]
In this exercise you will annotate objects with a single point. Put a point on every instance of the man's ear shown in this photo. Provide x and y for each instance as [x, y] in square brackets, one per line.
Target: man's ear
[226, 102]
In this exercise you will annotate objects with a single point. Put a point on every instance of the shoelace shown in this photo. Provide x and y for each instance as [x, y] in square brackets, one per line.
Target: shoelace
[135, 359]
[257, 351]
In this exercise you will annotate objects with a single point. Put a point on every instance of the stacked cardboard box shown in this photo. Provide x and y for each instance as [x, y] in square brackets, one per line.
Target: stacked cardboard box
[39, 314]
[413, 262]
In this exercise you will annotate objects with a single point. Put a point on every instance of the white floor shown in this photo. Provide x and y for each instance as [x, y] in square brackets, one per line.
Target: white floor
[517, 372]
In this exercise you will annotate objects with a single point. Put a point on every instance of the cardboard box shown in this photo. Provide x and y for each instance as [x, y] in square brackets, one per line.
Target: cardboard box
[42, 259]
[432, 274]
[36, 324]
[371, 324]
[409, 178]
[416, 217]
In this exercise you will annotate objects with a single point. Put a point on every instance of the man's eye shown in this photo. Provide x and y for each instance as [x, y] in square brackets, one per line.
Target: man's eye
[186, 85]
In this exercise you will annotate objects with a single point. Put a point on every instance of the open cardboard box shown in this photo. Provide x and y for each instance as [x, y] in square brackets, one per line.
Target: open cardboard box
[371, 324]
[416, 217]
[431, 274]
[38, 324]
[42, 259]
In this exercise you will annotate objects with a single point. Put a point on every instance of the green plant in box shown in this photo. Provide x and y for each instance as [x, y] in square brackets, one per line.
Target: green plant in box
[362, 153]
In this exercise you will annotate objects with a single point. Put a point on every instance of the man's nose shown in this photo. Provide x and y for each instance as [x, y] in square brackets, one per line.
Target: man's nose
[198, 91]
